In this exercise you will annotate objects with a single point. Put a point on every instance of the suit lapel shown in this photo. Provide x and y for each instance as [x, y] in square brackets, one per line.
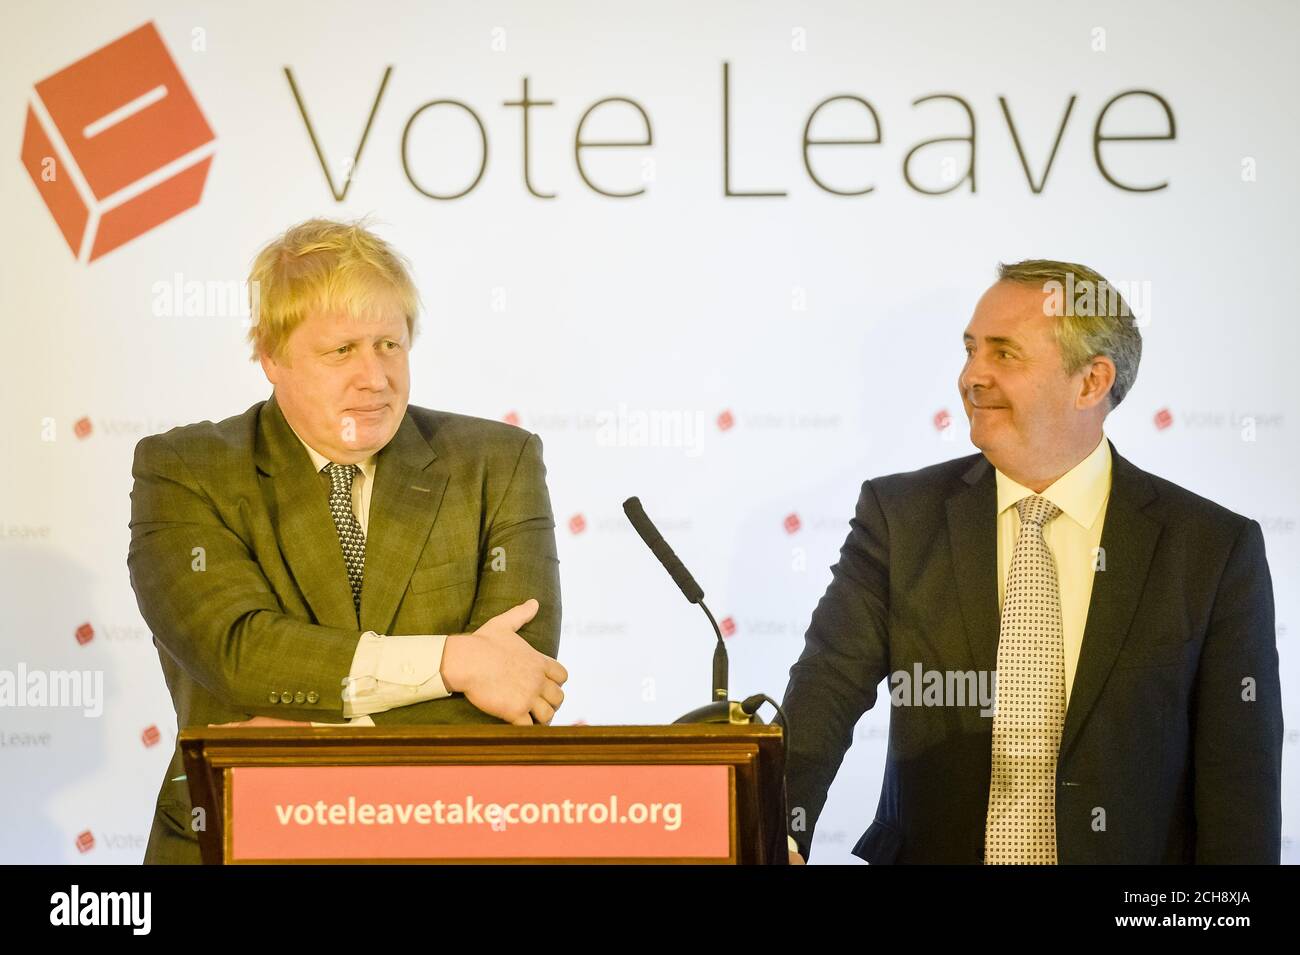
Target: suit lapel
[1128, 541]
[308, 539]
[410, 480]
[973, 534]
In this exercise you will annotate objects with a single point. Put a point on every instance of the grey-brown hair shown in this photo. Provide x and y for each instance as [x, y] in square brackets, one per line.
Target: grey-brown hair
[1092, 317]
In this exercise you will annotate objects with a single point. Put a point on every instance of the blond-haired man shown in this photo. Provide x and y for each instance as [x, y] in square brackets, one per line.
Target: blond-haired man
[333, 554]
[1136, 713]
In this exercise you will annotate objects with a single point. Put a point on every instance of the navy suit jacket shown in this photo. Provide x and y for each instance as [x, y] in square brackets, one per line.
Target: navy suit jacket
[1172, 746]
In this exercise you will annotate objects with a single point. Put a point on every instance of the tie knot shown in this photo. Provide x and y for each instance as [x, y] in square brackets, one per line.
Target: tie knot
[1036, 510]
[341, 475]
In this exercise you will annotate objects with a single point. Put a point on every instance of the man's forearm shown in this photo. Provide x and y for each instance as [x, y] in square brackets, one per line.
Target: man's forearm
[238, 664]
[397, 670]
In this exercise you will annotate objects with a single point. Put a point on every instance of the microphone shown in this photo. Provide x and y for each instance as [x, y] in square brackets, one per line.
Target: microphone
[721, 710]
[655, 541]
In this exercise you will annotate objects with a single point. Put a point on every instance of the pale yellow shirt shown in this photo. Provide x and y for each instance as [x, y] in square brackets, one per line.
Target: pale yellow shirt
[386, 671]
[1073, 537]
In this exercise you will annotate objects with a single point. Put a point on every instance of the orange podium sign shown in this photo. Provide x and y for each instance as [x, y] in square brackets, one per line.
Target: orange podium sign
[520, 811]
[702, 793]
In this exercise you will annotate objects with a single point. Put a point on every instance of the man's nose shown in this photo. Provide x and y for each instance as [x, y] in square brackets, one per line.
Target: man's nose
[974, 376]
[371, 373]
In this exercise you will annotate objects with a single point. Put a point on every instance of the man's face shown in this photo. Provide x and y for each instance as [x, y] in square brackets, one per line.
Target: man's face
[343, 381]
[1020, 402]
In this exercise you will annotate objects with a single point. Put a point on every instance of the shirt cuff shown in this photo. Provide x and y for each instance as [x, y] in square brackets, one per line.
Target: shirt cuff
[394, 671]
[359, 721]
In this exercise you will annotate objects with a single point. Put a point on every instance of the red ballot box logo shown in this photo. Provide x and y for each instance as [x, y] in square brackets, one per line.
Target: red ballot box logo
[116, 144]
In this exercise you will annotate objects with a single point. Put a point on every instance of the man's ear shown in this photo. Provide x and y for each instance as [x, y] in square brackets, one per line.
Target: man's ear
[1098, 378]
[269, 367]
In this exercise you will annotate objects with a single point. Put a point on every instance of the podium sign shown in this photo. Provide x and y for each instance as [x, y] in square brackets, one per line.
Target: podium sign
[463, 813]
[711, 793]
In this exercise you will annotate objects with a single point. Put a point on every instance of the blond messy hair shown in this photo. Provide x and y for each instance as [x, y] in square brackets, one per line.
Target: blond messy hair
[329, 265]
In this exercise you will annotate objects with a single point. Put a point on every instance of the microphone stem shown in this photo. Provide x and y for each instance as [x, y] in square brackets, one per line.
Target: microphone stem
[719, 688]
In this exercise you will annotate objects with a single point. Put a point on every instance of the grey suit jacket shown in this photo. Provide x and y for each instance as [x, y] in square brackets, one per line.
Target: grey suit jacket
[238, 571]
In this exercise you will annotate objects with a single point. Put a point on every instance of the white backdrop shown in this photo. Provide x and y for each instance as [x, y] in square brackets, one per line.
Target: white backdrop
[825, 329]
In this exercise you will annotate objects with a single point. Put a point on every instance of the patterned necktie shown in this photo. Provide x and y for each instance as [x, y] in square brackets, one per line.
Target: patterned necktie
[346, 523]
[1029, 712]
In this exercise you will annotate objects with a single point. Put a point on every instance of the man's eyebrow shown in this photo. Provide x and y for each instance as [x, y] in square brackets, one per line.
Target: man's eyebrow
[994, 340]
[332, 343]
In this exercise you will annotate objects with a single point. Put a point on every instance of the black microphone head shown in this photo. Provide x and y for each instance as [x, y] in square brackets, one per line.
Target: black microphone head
[654, 540]
[641, 521]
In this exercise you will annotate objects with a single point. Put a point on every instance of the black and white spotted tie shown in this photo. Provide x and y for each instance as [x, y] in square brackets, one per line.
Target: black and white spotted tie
[1029, 713]
[351, 538]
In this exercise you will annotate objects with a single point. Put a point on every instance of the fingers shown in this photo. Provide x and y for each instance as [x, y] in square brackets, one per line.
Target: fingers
[543, 711]
[555, 671]
[545, 705]
[517, 617]
[552, 694]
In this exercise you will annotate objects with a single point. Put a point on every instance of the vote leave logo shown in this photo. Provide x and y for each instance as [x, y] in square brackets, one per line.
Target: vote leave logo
[116, 144]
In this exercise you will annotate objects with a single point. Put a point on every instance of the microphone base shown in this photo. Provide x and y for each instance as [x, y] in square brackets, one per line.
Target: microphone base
[723, 711]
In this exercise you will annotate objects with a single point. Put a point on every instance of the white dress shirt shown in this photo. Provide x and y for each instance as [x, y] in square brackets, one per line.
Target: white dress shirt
[387, 671]
[1073, 537]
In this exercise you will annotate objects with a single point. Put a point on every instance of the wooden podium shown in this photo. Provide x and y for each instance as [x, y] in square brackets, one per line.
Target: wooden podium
[690, 793]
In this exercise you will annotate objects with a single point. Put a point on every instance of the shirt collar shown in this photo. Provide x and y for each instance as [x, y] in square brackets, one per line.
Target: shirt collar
[1079, 492]
[319, 460]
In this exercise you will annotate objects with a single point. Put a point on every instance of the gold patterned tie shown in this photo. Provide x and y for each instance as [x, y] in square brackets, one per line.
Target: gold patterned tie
[1029, 712]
